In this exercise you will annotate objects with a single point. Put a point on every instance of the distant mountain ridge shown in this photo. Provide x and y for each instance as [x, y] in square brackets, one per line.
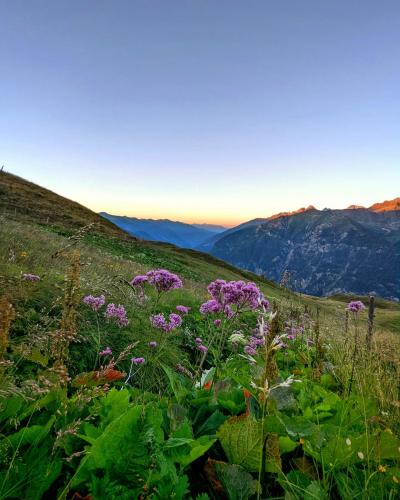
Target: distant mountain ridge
[354, 250]
[164, 230]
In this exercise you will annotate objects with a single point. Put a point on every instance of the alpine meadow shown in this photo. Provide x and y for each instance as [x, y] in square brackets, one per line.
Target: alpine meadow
[172, 324]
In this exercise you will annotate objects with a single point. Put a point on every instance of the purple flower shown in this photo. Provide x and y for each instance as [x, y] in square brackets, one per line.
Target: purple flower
[250, 350]
[310, 342]
[228, 312]
[211, 306]
[153, 343]
[94, 303]
[202, 348]
[183, 309]
[217, 322]
[138, 361]
[198, 340]
[30, 277]
[118, 313]
[159, 321]
[163, 280]
[138, 280]
[291, 337]
[228, 294]
[107, 352]
[355, 306]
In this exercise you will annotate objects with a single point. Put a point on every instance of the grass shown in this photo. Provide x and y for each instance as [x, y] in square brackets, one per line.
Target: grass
[60, 434]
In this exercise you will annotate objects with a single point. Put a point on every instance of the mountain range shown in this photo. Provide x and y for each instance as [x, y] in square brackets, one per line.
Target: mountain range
[164, 230]
[321, 252]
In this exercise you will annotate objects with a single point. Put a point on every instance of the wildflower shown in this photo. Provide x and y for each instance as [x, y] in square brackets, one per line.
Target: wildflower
[94, 302]
[159, 321]
[237, 338]
[153, 343]
[250, 350]
[217, 322]
[138, 280]
[106, 352]
[211, 306]
[198, 340]
[202, 348]
[394, 478]
[348, 442]
[360, 455]
[382, 469]
[182, 309]
[23, 255]
[228, 312]
[207, 385]
[355, 306]
[264, 303]
[301, 441]
[138, 361]
[246, 393]
[118, 313]
[30, 277]
[163, 280]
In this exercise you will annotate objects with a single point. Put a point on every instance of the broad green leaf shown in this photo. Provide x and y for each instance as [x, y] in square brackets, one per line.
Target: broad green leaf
[238, 484]
[241, 439]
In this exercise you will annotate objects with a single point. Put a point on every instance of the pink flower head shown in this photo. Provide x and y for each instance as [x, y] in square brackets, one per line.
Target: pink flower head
[153, 343]
[138, 280]
[355, 306]
[117, 313]
[183, 309]
[30, 277]
[202, 348]
[159, 321]
[138, 361]
[164, 280]
[94, 303]
[211, 306]
[198, 340]
[217, 322]
[106, 352]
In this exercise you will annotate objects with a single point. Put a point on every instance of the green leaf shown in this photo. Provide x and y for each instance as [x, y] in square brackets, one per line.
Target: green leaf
[238, 484]
[286, 445]
[177, 383]
[241, 439]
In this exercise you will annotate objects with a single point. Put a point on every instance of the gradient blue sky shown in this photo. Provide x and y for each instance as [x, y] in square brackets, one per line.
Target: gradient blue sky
[200, 110]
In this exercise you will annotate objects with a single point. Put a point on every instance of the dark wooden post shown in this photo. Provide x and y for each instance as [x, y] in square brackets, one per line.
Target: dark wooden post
[371, 316]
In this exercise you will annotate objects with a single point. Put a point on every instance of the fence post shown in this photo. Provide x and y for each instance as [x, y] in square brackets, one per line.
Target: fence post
[371, 316]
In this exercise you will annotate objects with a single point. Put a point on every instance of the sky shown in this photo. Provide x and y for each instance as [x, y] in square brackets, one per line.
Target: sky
[214, 111]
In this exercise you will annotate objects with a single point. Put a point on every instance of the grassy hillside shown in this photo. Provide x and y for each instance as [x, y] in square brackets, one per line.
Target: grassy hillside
[168, 420]
[22, 200]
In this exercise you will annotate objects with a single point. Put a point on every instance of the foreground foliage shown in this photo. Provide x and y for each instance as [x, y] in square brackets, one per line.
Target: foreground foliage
[114, 388]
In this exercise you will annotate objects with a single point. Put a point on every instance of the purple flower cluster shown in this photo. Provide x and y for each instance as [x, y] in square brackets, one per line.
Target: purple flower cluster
[211, 306]
[252, 346]
[139, 280]
[106, 352]
[153, 344]
[355, 306]
[162, 279]
[183, 309]
[226, 295]
[30, 277]
[94, 302]
[200, 346]
[118, 313]
[138, 361]
[159, 321]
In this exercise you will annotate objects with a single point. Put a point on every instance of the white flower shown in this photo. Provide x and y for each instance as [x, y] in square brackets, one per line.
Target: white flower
[348, 442]
[237, 338]
[360, 455]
